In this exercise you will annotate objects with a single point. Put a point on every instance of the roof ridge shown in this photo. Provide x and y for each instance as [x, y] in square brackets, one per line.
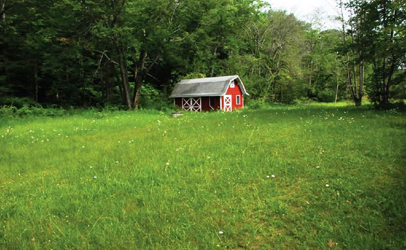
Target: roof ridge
[211, 77]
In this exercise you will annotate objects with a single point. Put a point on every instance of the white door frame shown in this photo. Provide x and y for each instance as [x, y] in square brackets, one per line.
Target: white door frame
[228, 103]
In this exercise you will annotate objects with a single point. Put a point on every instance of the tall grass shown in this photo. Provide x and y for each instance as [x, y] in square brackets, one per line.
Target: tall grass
[287, 177]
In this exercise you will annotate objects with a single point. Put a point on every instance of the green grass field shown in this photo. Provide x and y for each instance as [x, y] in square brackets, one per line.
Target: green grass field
[285, 177]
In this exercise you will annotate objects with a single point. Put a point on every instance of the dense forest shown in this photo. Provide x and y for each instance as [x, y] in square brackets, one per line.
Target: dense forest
[130, 53]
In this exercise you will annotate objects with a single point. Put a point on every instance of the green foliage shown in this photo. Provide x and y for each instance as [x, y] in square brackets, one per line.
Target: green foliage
[254, 103]
[296, 177]
[303, 100]
[8, 111]
[153, 99]
[31, 111]
[378, 31]
[17, 102]
[193, 75]
[101, 53]
[326, 95]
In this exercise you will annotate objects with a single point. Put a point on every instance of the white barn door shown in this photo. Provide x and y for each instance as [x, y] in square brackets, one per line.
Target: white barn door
[192, 104]
[228, 101]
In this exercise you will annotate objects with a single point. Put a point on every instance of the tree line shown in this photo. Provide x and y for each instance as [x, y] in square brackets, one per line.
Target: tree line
[86, 53]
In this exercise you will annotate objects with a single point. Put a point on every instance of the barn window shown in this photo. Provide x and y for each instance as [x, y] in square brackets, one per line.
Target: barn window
[232, 85]
[238, 100]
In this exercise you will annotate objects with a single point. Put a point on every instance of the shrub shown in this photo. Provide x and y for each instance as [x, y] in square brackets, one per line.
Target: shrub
[303, 100]
[7, 111]
[26, 110]
[151, 98]
[326, 95]
[255, 103]
[17, 102]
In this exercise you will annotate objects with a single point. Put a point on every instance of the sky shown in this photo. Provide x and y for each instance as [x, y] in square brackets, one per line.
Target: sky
[306, 10]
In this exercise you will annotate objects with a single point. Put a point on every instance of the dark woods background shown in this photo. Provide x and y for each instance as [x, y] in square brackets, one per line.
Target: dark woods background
[130, 53]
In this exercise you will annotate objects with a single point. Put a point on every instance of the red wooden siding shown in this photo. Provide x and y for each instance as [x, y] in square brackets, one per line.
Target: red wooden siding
[234, 92]
[178, 102]
[205, 104]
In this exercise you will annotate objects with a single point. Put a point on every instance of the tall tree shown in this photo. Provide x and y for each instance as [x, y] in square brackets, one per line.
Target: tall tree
[353, 51]
[379, 32]
[274, 41]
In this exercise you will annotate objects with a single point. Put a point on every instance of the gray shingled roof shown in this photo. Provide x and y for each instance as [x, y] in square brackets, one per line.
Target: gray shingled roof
[210, 86]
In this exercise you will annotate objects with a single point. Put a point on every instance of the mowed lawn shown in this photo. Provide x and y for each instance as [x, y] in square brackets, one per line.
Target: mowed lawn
[288, 177]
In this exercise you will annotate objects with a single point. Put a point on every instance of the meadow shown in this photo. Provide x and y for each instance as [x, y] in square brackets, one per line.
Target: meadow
[282, 177]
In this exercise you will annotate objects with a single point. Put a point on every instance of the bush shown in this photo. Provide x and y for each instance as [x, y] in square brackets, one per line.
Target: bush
[326, 95]
[25, 110]
[151, 98]
[7, 111]
[303, 100]
[254, 103]
[17, 102]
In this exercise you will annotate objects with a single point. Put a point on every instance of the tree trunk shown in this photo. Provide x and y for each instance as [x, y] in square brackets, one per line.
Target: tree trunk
[3, 11]
[309, 90]
[139, 72]
[137, 93]
[124, 76]
[387, 83]
[125, 84]
[139, 67]
[361, 80]
[118, 83]
[335, 100]
[349, 77]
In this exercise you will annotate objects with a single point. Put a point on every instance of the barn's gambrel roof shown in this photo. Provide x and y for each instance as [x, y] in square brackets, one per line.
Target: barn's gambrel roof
[210, 86]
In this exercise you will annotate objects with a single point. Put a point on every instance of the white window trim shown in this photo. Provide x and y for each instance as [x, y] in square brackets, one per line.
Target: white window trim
[238, 100]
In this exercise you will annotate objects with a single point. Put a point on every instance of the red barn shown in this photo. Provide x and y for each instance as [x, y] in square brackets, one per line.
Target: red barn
[211, 93]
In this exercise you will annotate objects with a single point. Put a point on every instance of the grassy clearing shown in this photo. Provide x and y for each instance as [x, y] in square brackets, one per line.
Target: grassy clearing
[294, 177]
